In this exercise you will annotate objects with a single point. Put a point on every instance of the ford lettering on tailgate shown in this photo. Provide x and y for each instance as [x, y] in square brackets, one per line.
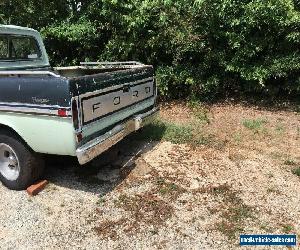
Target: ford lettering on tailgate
[105, 103]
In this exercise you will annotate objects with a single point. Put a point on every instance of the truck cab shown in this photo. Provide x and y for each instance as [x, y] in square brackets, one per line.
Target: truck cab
[78, 111]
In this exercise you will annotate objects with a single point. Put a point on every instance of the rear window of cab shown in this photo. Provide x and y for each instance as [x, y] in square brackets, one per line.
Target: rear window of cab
[21, 48]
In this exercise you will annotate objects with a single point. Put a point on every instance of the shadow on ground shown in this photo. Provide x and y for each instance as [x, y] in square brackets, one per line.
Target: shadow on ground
[103, 174]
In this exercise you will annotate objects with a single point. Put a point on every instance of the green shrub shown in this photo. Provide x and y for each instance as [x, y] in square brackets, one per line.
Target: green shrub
[203, 48]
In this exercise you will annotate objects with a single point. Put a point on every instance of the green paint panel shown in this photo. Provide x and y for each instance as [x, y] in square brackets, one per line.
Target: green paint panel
[44, 134]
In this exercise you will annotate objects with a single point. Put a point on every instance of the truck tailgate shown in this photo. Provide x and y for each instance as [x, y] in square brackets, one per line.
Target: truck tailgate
[107, 99]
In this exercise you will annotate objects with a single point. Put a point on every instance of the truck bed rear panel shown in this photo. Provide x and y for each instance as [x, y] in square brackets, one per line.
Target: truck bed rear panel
[112, 97]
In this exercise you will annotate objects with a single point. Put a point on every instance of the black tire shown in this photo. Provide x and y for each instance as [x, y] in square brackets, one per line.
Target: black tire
[30, 165]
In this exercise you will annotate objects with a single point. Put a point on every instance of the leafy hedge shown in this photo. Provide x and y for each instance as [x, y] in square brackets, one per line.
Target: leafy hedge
[204, 48]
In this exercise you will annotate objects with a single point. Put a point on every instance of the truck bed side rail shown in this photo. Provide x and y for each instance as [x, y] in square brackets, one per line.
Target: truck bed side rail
[27, 72]
[128, 64]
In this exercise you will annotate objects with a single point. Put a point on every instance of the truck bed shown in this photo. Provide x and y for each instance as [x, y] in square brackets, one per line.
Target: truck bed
[94, 98]
[92, 68]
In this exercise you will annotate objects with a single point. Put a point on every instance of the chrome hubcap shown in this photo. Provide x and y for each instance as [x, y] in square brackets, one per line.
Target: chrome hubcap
[9, 163]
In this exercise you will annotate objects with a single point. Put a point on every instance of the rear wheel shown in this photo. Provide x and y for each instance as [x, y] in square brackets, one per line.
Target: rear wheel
[19, 166]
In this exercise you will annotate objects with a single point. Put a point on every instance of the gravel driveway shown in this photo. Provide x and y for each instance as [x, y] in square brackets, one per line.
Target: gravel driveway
[160, 195]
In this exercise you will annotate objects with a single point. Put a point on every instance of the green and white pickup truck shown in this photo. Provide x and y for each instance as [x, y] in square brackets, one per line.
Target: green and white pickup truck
[77, 111]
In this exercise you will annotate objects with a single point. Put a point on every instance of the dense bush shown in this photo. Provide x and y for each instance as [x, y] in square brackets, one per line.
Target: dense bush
[205, 48]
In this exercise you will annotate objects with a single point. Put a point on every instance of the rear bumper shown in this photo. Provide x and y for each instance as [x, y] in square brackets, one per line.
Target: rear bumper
[100, 144]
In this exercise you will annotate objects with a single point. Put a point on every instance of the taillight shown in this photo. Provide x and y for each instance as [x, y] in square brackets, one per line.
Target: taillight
[75, 114]
[79, 137]
[62, 113]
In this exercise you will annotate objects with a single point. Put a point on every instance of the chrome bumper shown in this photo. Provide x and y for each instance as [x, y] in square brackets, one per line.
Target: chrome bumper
[100, 144]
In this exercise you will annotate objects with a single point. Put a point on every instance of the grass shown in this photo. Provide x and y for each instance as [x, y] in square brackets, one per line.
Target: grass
[287, 228]
[199, 111]
[110, 229]
[165, 188]
[233, 220]
[178, 134]
[145, 208]
[175, 133]
[161, 130]
[264, 226]
[280, 129]
[101, 201]
[237, 137]
[255, 125]
[296, 171]
[278, 155]
[202, 116]
[236, 212]
[290, 162]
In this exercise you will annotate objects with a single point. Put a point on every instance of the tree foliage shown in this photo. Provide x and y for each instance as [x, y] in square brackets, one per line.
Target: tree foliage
[198, 47]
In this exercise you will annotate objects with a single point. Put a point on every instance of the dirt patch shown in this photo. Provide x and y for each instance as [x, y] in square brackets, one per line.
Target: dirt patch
[176, 112]
[167, 188]
[146, 208]
[233, 211]
[109, 228]
[242, 178]
[143, 211]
